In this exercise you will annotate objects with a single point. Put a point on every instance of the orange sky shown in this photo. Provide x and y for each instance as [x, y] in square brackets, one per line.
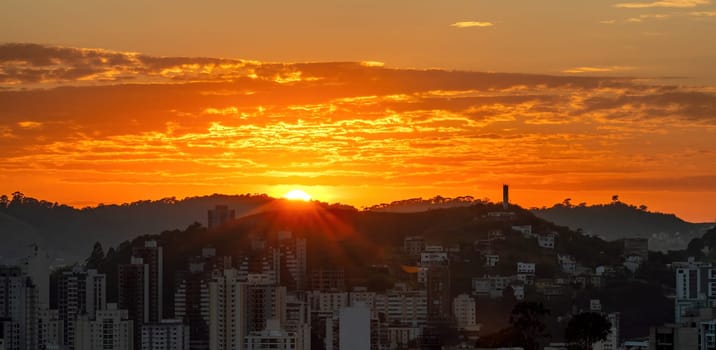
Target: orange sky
[174, 116]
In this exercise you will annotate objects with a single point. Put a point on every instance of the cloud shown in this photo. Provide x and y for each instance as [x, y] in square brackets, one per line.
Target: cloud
[71, 123]
[471, 24]
[29, 124]
[372, 63]
[597, 69]
[664, 3]
[641, 18]
[39, 64]
[608, 21]
[703, 13]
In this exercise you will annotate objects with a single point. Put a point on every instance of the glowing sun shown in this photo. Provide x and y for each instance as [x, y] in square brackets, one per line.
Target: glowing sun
[297, 195]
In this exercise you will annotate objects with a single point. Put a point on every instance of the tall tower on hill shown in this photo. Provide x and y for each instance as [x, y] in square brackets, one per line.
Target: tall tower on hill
[505, 196]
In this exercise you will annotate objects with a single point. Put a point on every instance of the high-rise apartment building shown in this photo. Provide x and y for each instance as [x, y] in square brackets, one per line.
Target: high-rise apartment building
[134, 294]
[37, 267]
[227, 313]
[464, 311]
[298, 320]
[273, 337]
[349, 329]
[191, 295]
[165, 335]
[18, 309]
[238, 307]
[437, 285]
[292, 253]
[328, 279]
[50, 329]
[403, 306]
[79, 292]
[109, 328]
[413, 245]
[263, 302]
[152, 256]
[695, 288]
[220, 215]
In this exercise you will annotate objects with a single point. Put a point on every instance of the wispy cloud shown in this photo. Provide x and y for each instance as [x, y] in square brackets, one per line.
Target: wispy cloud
[664, 3]
[608, 21]
[597, 69]
[470, 24]
[703, 13]
[34, 64]
[644, 17]
[29, 124]
[372, 63]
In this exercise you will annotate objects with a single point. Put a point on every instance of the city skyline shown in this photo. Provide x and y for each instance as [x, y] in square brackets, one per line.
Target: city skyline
[358, 175]
[258, 286]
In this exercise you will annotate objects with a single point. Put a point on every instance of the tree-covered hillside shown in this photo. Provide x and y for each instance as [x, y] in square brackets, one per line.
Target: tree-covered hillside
[619, 220]
[68, 233]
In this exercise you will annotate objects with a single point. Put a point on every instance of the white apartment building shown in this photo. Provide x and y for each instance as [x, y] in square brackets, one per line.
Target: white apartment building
[491, 260]
[695, 287]
[362, 295]
[437, 257]
[327, 302]
[525, 230]
[298, 321]
[546, 241]
[227, 314]
[403, 306]
[492, 286]
[271, 338]
[166, 335]
[109, 328]
[526, 268]
[50, 329]
[464, 310]
[237, 308]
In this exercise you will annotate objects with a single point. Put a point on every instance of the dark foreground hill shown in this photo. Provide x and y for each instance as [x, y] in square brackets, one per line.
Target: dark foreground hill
[68, 233]
[368, 245]
[358, 240]
[619, 220]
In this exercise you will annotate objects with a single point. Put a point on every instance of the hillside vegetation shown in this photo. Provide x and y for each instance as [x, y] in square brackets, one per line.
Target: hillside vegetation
[619, 220]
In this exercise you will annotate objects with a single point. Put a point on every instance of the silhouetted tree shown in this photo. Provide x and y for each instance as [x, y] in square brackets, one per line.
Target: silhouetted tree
[507, 337]
[527, 319]
[695, 247]
[95, 259]
[17, 197]
[615, 198]
[585, 329]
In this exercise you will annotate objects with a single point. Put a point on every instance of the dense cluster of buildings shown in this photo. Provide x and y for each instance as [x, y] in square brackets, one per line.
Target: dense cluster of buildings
[694, 325]
[272, 300]
[263, 301]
